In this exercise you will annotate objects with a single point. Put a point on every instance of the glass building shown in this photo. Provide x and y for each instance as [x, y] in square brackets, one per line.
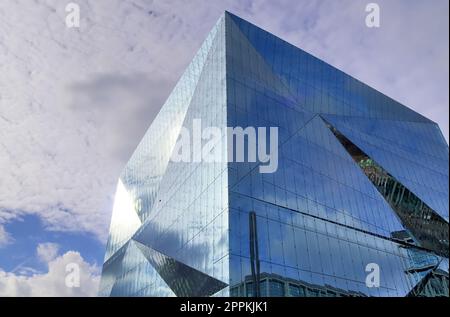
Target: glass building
[361, 190]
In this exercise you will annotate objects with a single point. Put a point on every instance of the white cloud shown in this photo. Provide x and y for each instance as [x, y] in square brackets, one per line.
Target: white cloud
[47, 252]
[5, 237]
[52, 283]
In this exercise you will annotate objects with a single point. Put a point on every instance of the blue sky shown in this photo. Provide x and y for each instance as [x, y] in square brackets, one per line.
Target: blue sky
[29, 232]
[74, 103]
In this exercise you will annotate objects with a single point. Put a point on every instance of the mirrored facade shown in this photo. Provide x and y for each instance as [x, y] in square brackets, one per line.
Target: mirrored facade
[358, 205]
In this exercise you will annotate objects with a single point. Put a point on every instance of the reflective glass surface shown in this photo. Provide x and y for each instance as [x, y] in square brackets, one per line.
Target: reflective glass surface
[176, 212]
[317, 224]
[320, 219]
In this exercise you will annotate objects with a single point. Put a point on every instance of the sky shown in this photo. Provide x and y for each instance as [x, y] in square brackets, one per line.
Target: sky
[75, 102]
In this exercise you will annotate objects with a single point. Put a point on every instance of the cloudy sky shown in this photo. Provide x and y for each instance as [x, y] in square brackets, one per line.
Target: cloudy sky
[74, 103]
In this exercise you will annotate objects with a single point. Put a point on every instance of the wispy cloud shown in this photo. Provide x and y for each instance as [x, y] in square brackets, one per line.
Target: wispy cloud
[5, 237]
[47, 251]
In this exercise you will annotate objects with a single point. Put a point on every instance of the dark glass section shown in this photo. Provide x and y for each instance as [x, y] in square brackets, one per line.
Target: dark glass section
[254, 253]
[426, 226]
[413, 153]
[434, 284]
[183, 280]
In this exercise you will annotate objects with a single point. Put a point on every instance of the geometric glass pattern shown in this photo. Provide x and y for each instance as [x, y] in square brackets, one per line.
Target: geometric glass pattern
[434, 283]
[183, 280]
[361, 180]
[426, 226]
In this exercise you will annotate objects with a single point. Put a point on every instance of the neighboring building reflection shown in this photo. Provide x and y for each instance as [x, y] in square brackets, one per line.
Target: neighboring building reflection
[274, 285]
[424, 223]
[424, 269]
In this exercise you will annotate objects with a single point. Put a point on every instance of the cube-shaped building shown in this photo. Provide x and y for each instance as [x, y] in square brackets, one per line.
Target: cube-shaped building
[357, 205]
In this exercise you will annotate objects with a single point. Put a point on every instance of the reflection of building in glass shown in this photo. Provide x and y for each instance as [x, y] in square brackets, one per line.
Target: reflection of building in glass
[428, 272]
[273, 285]
[425, 224]
[361, 179]
[434, 284]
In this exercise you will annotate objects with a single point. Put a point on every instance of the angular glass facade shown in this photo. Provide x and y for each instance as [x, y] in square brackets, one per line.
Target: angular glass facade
[362, 180]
